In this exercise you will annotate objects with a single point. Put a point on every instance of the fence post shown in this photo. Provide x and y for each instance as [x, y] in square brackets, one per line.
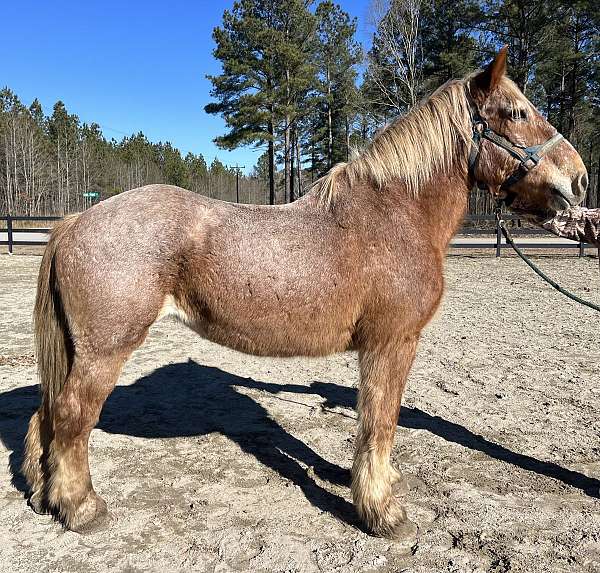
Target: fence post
[581, 249]
[9, 230]
[498, 238]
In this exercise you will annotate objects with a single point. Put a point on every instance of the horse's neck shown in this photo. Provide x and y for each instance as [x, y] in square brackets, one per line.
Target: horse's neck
[443, 203]
[440, 205]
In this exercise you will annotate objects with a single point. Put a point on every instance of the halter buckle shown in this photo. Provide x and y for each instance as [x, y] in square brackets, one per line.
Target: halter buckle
[498, 211]
[532, 156]
[480, 126]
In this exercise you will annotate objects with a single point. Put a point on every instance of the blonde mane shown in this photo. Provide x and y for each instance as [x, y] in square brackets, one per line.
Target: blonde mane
[412, 148]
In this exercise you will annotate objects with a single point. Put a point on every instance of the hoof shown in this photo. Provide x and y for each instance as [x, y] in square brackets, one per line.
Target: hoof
[394, 524]
[38, 503]
[91, 515]
[405, 531]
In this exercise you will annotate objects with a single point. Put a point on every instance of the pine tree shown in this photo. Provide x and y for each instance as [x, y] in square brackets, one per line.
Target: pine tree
[261, 169]
[265, 50]
[296, 71]
[63, 129]
[565, 80]
[246, 88]
[37, 113]
[565, 71]
[449, 48]
[335, 100]
[523, 26]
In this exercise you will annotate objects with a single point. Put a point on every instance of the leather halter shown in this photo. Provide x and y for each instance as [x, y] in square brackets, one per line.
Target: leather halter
[528, 157]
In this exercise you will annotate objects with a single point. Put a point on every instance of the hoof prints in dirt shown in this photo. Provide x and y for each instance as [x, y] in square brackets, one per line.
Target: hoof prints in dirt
[224, 461]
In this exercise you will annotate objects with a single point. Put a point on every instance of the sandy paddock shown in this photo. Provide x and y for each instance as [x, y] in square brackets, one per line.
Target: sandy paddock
[211, 460]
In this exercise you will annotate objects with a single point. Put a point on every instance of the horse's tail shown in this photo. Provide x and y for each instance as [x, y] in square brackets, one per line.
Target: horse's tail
[53, 342]
[54, 351]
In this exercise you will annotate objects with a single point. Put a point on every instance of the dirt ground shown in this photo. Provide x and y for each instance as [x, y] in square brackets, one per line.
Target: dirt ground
[211, 460]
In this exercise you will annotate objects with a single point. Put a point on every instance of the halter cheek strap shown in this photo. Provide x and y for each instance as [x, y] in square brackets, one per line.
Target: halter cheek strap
[528, 157]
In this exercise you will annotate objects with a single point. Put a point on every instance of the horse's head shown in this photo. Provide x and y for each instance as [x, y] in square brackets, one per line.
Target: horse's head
[516, 153]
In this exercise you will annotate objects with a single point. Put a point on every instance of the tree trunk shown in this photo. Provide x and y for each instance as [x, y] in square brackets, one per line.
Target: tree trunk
[347, 138]
[313, 160]
[329, 125]
[271, 152]
[286, 159]
[292, 174]
[299, 166]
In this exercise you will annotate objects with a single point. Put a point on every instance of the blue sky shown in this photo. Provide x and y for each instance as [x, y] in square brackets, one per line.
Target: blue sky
[129, 66]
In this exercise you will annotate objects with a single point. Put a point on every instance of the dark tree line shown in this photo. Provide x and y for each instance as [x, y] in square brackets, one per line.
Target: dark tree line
[296, 83]
[51, 164]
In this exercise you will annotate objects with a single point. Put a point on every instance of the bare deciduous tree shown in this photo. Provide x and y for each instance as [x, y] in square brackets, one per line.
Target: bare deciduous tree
[395, 63]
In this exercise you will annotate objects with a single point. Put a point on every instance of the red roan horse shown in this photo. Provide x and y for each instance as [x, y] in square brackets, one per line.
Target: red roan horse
[356, 264]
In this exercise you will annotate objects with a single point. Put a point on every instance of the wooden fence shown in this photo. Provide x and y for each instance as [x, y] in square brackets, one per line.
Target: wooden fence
[26, 235]
[478, 232]
[472, 236]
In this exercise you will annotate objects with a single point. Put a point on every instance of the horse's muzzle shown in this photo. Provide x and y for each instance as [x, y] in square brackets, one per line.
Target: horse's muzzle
[562, 199]
[579, 186]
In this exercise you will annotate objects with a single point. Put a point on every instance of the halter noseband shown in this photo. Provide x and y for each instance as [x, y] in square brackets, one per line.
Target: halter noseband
[528, 157]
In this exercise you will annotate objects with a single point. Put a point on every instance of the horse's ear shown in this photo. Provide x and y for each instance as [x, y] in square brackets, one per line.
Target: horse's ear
[485, 82]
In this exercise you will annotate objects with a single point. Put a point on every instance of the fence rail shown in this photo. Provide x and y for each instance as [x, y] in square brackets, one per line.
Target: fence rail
[27, 236]
[546, 240]
[10, 232]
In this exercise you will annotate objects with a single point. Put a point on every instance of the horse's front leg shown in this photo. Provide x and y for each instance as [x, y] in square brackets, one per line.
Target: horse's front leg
[383, 369]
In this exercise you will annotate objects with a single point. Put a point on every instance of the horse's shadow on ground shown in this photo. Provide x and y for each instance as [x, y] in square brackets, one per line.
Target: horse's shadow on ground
[188, 399]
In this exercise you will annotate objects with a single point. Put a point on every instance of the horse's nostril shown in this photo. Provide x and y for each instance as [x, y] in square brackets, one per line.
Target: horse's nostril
[579, 185]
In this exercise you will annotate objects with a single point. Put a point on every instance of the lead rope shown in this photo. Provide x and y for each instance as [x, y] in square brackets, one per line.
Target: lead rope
[537, 270]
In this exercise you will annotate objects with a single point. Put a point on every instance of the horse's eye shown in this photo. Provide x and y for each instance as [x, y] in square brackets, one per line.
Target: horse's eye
[519, 114]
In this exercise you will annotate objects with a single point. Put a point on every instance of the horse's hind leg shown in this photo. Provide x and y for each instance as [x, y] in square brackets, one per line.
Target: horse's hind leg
[75, 412]
[384, 369]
